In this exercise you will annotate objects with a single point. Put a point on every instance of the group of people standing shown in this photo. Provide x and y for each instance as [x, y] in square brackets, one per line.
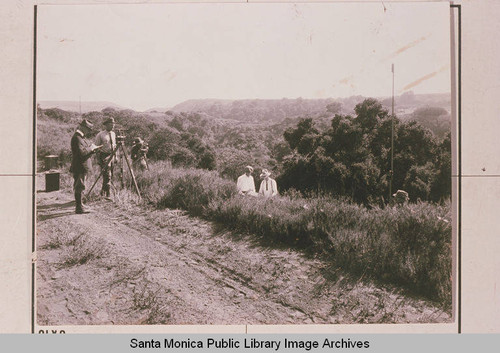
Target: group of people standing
[105, 148]
[246, 184]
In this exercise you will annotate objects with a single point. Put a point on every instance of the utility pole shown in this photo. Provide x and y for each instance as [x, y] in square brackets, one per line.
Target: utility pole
[80, 105]
[392, 135]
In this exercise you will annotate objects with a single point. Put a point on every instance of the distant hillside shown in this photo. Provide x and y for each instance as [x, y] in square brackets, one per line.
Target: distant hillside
[407, 103]
[157, 110]
[275, 110]
[255, 110]
[74, 106]
[404, 105]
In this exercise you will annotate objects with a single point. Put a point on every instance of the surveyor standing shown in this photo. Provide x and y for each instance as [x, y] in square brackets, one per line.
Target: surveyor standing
[138, 154]
[81, 150]
[107, 139]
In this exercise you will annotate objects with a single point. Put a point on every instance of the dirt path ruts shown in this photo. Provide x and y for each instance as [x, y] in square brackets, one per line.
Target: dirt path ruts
[129, 265]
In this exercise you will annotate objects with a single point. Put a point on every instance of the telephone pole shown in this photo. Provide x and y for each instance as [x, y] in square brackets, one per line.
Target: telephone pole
[392, 135]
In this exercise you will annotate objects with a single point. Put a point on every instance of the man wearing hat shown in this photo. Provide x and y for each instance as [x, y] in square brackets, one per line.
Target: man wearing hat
[138, 154]
[400, 197]
[268, 187]
[245, 183]
[107, 139]
[81, 151]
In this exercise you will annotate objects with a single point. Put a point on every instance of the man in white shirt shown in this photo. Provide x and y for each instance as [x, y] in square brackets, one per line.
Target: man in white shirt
[107, 139]
[245, 183]
[268, 187]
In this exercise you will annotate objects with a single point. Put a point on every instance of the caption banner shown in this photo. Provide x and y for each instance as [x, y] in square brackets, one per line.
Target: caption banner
[248, 342]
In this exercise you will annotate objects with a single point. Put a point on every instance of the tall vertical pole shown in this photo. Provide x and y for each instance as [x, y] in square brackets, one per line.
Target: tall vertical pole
[120, 133]
[392, 135]
[80, 105]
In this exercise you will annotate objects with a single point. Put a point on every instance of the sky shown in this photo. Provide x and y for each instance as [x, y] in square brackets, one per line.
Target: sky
[146, 56]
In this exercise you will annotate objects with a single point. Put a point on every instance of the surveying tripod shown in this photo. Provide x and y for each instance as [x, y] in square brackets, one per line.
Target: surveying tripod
[119, 145]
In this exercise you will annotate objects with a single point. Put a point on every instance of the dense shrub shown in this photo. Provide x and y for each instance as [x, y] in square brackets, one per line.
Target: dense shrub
[353, 157]
[189, 189]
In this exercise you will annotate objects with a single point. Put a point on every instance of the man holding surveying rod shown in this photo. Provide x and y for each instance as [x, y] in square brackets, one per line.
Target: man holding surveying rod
[105, 157]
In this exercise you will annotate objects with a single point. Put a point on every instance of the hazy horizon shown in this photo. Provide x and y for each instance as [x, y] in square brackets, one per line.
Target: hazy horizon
[52, 102]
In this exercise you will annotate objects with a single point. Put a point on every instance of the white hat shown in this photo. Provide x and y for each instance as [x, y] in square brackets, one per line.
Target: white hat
[265, 173]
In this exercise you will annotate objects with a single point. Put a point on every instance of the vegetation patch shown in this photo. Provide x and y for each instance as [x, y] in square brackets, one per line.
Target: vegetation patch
[83, 250]
[151, 298]
[408, 245]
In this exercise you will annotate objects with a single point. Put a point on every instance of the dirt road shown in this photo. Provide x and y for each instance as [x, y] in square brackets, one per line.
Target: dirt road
[125, 264]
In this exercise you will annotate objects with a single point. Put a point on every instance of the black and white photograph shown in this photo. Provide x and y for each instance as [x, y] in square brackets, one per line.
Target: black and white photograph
[244, 164]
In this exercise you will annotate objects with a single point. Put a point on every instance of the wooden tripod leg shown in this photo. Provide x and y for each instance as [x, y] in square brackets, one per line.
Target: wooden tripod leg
[131, 172]
[121, 172]
[93, 185]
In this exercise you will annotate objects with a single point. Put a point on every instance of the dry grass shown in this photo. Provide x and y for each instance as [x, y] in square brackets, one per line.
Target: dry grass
[83, 250]
[152, 298]
[58, 240]
[360, 305]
